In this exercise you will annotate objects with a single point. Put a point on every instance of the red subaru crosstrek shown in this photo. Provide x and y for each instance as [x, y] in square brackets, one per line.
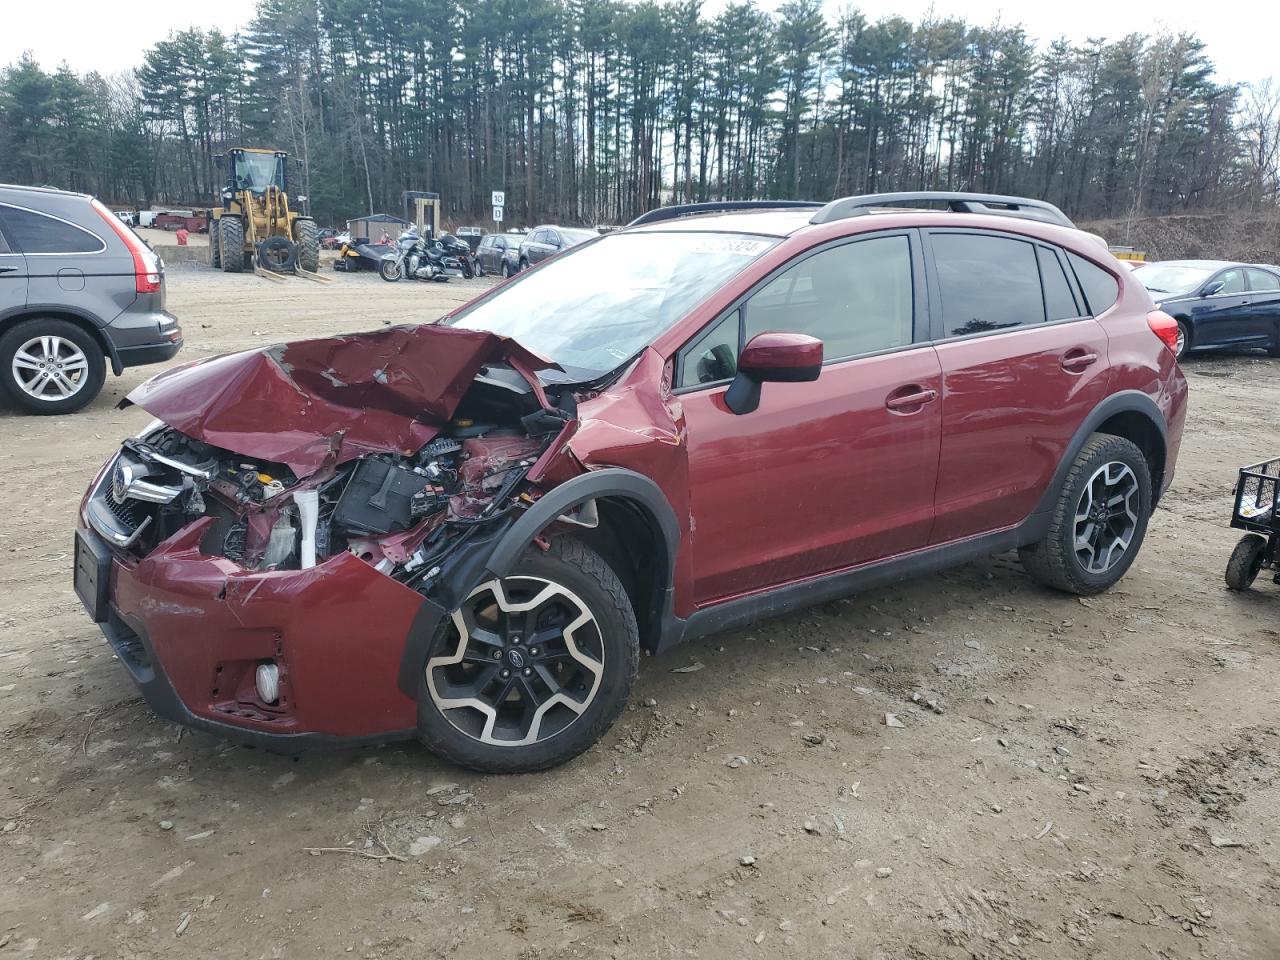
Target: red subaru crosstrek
[468, 531]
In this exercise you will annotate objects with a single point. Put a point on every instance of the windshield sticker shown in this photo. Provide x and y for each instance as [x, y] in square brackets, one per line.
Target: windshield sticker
[737, 246]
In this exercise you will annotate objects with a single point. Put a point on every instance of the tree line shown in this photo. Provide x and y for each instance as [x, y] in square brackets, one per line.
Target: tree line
[592, 111]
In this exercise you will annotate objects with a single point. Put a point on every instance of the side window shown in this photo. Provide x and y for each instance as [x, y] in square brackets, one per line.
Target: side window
[986, 282]
[36, 233]
[4, 246]
[1100, 288]
[856, 298]
[1262, 280]
[1232, 281]
[1059, 301]
[712, 357]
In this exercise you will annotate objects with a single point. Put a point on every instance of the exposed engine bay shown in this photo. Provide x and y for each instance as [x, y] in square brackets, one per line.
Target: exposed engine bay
[399, 513]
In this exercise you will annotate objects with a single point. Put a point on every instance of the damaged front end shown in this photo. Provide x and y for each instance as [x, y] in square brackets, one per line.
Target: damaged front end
[292, 518]
[395, 512]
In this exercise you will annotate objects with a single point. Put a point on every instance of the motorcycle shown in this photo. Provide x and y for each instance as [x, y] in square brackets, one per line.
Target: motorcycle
[415, 258]
[460, 249]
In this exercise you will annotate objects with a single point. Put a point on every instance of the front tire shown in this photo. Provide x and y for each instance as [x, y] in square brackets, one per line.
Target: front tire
[50, 366]
[533, 669]
[231, 244]
[390, 270]
[307, 234]
[1099, 521]
[1246, 561]
[1183, 343]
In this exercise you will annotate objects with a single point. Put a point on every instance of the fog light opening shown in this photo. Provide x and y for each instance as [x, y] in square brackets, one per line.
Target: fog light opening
[267, 680]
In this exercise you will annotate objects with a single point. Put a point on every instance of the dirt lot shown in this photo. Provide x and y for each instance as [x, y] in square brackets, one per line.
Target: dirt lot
[1103, 779]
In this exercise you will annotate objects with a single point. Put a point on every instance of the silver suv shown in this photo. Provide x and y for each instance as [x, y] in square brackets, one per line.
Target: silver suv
[78, 289]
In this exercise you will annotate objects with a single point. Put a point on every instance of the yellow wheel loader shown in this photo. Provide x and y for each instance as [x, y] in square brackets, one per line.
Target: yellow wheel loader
[254, 226]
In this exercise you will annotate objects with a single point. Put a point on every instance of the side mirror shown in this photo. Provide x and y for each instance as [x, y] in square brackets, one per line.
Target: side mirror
[774, 358]
[1212, 288]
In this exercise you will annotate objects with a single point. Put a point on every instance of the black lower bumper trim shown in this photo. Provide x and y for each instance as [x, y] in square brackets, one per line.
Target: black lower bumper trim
[148, 353]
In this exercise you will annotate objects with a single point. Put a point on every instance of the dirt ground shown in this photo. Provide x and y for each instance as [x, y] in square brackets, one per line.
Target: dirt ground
[1102, 779]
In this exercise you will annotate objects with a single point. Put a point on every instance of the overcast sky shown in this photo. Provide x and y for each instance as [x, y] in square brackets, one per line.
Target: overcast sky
[1243, 38]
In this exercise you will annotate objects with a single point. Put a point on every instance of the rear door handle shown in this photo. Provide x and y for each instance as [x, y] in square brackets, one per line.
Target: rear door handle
[912, 395]
[7, 269]
[1074, 361]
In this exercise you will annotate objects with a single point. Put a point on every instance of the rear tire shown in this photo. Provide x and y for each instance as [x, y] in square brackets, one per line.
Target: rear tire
[1099, 521]
[231, 244]
[75, 359]
[1246, 561]
[308, 236]
[578, 649]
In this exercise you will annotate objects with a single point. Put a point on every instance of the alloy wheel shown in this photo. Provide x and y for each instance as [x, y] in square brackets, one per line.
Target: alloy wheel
[1180, 344]
[524, 660]
[1106, 517]
[50, 368]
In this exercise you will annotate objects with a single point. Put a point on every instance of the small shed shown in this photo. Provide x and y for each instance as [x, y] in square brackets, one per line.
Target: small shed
[371, 228]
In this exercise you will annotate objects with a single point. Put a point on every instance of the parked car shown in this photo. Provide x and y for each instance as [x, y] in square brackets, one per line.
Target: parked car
[710, 417]
[78, 290]
[546, 241]
[1217, 303]
[329, 239]
[498, 253]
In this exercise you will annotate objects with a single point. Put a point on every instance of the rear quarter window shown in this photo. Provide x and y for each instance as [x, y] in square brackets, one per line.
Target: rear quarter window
[1059, 301]
[1100, 288]
[35, 233]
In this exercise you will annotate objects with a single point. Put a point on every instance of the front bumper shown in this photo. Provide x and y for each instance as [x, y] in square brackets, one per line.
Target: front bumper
[192, 628]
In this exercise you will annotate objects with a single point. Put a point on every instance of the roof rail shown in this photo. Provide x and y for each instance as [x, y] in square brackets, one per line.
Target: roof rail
[1022, 207]
[717, 206]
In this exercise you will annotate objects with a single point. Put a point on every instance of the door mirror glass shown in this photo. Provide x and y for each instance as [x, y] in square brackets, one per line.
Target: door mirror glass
[775, 358]
[1212, 288]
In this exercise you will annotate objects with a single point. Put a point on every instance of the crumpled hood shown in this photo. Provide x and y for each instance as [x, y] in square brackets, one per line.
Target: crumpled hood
[331, 399]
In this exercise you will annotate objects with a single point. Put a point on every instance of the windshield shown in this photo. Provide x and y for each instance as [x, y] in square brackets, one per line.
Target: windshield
[257, 171]
[1168, 278]
[595, 307]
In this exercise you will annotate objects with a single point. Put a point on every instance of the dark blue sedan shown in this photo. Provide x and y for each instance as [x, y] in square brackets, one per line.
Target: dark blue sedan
[1217, 303]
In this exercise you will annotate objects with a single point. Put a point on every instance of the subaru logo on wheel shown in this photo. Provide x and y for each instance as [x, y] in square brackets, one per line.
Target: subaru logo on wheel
[515, 658]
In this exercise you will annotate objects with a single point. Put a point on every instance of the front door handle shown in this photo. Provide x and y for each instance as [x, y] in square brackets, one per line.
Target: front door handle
[1074, 361]
[910, 398]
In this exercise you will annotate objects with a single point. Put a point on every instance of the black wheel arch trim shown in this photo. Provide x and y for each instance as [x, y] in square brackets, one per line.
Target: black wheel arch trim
[495, 555]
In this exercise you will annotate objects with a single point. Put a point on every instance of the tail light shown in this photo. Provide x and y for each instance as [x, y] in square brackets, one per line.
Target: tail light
[146, 265]
[1164, 327]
